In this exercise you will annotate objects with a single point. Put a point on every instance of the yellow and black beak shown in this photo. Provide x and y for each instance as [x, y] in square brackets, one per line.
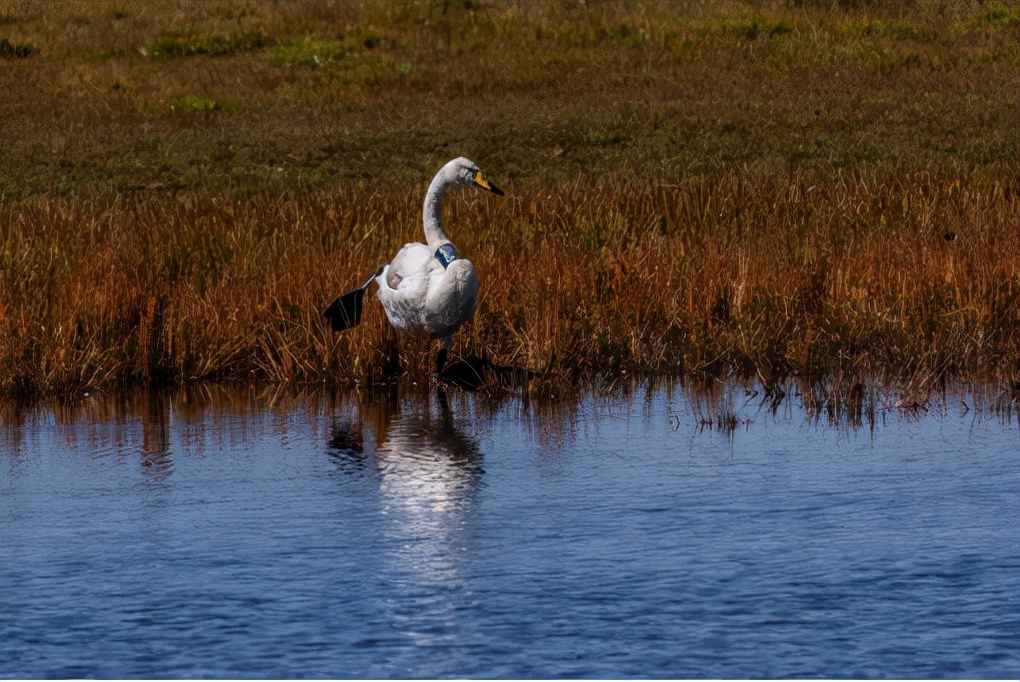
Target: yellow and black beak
[482, 182]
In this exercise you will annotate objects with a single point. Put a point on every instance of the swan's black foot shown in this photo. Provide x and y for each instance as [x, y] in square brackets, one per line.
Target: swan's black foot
[345, 312]
[469, 374]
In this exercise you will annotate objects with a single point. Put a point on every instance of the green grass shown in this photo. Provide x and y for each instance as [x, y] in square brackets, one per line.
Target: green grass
[212, 44]
[1002, 18]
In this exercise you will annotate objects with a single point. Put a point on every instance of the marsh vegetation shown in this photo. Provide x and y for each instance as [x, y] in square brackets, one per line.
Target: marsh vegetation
[822, 190]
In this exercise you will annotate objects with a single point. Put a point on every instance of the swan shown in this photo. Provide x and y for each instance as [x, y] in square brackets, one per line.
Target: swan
[427, 289]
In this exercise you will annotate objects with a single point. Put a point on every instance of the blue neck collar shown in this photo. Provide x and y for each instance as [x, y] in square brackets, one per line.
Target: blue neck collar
[446, 254]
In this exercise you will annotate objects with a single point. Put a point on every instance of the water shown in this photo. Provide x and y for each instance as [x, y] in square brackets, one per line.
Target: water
[655, 534]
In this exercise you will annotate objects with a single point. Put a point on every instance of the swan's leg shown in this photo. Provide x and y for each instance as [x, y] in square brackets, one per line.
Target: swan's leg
[391, 368]
[444, 404]
[444, 348]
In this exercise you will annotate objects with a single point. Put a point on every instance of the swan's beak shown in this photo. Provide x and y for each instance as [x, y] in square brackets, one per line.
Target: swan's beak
[482, 182]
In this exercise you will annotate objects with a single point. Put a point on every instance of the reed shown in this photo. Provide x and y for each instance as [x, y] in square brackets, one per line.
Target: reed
[703, 275]
[763, 189]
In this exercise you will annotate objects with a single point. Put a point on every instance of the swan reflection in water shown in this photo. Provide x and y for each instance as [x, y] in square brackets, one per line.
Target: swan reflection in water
[425, 461]
[428, 471]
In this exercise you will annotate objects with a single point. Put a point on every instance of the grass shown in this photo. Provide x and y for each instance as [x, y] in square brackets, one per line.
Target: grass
[10, 51]
[755, 188]
[189, 44]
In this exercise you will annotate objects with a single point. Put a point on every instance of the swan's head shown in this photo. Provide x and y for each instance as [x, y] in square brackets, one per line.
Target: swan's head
[466, 172]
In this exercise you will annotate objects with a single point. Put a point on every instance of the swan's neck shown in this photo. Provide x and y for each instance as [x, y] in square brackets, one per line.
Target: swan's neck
[432, 212]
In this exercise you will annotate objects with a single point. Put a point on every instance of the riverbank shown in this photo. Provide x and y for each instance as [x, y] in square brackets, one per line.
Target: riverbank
[768, 189]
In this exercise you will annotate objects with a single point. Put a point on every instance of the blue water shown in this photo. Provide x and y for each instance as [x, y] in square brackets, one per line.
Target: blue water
[231, 534]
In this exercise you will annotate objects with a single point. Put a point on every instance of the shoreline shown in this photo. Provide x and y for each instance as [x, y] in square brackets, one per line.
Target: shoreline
[772, 189]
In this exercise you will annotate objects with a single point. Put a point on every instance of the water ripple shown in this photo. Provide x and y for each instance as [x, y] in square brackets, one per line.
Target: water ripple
[424, 536]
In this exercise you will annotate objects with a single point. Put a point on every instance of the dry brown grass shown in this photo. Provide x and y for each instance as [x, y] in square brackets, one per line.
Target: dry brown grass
[704, 275]
[759, 188]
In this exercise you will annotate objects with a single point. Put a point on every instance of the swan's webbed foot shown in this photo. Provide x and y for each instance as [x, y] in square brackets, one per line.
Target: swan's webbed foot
[345, 311]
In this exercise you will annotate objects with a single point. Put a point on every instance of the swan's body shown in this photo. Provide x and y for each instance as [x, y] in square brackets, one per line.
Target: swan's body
[422, 297]
[427, 289]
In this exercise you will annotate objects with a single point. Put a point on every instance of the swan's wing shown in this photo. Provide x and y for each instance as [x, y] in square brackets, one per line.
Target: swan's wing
[404, 287]
[452, 297]
[420, 296]
[411, 262]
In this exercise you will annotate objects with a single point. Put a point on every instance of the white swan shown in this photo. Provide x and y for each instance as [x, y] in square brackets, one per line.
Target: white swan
[427, 289]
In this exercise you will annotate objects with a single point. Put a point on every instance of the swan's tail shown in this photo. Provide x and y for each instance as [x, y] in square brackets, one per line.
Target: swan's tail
[345, 311]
